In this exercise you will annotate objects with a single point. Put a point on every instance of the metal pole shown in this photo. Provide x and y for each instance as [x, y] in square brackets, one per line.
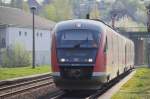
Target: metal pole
[113, 19]
[113, 22]
[33, 53]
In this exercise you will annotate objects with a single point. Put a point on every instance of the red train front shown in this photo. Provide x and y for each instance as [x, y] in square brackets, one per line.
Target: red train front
[76, 55]
[87, 53]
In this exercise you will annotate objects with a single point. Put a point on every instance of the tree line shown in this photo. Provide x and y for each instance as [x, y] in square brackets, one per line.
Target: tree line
[58, 10]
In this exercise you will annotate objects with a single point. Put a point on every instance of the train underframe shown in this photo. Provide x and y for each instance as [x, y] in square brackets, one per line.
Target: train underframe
[79, 80]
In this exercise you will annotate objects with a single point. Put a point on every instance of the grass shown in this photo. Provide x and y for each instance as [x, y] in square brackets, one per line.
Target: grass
[6, 73]
[137, 87]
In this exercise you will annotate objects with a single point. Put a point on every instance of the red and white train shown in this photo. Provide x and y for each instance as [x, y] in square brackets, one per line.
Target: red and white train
[87, 54]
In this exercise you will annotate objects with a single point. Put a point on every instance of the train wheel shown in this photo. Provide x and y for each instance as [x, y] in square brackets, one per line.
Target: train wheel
[130, 67]
[118, 73]
[108, 78]
[124, 69]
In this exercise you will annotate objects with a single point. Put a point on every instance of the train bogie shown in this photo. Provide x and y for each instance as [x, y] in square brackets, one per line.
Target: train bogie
[76, 84]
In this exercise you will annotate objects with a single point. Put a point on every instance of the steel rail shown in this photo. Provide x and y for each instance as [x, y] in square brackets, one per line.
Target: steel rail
[24, 90]
[24, 83]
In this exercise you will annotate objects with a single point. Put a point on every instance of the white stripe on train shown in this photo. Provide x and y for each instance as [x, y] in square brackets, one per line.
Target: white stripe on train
[94, 73]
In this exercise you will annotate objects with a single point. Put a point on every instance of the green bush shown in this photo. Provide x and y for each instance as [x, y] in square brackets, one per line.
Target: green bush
[16, 56]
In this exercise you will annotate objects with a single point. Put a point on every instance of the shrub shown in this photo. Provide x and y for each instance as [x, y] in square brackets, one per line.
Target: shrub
[16, 56]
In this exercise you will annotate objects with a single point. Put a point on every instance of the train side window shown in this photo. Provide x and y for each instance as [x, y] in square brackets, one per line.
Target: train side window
[106, 46]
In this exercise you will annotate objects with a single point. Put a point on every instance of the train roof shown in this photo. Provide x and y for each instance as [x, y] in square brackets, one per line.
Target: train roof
[79, 23]
[87, 24]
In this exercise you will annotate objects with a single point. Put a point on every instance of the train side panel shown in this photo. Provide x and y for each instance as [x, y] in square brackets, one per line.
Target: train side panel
[54, 60]
[117, 56]
[109, 54]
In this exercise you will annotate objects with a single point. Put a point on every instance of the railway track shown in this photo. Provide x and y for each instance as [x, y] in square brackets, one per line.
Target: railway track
[21, 86]
[80, 94]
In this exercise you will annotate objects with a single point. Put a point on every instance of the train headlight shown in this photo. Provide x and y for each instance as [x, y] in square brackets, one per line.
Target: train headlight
[90, 60]
[62, 60]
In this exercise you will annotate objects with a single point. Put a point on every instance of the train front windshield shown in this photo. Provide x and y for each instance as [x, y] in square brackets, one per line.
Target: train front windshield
[77, 46]
[77, 39]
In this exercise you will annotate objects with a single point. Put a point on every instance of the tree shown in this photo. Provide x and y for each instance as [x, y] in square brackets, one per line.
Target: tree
[25, 7]
[13, 3]
[16, 4]
[19, 4]
[58, 10]
[16, 56]
[126, 22]
[1, 3]
[132, 8]
[95, 13]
